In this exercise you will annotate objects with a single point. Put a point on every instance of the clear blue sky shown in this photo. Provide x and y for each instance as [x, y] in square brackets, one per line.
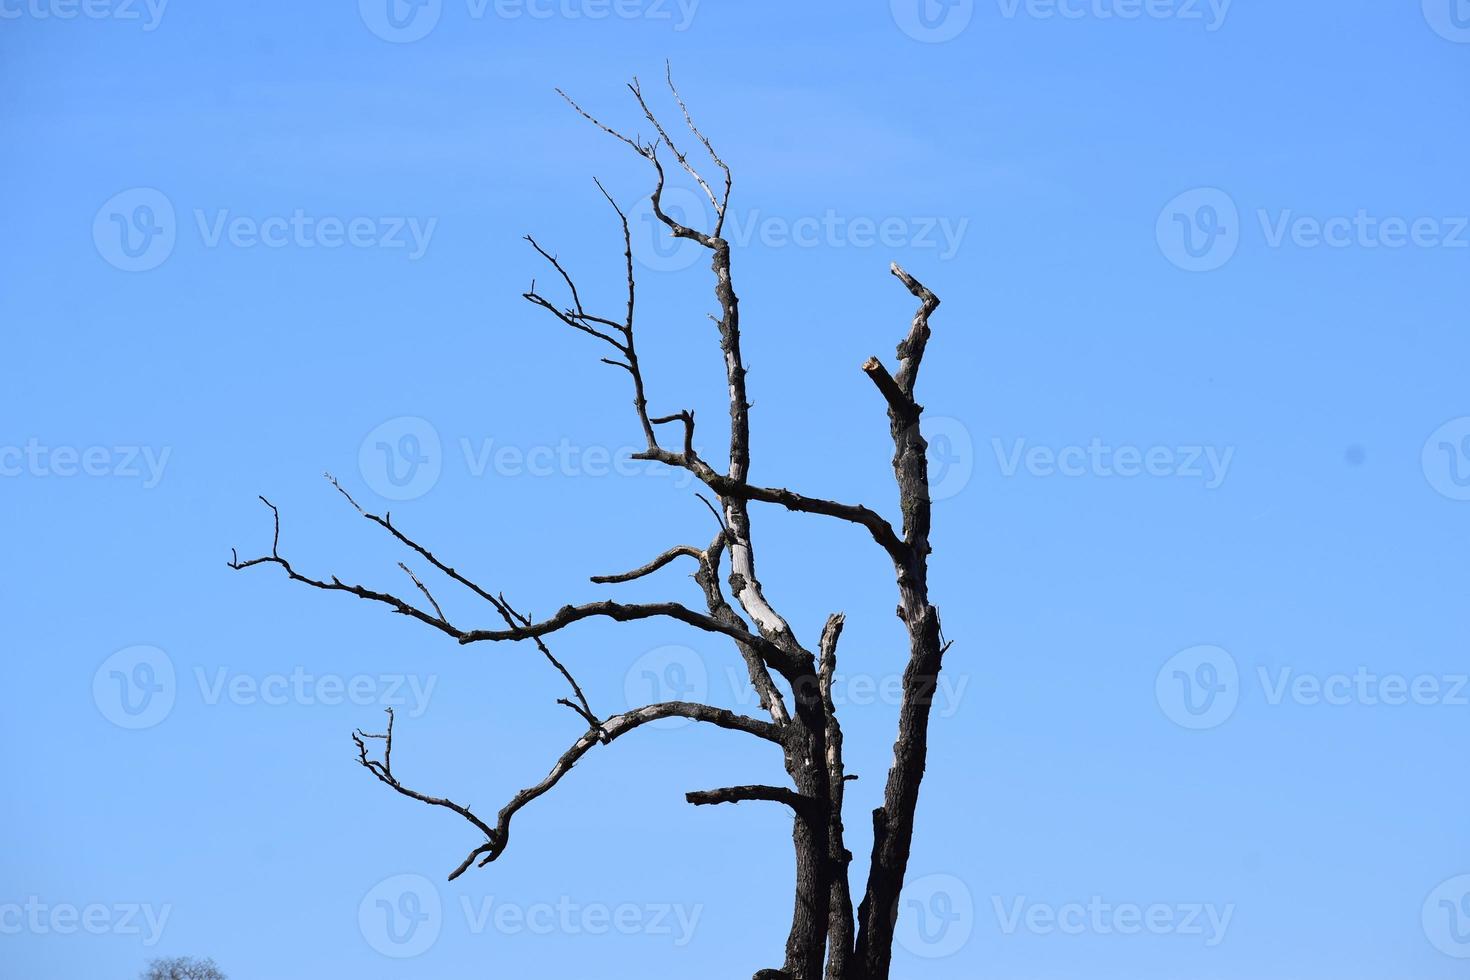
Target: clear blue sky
[1222, 248]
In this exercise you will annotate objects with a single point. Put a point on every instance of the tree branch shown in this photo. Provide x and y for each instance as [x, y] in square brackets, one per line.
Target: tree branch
[805, 806]
[715, 202]
[384, 772]
[677, 551]
[840, 936]
[336, 585]
[499, 602]
[721, 207]
[613, 727]
[624, 612]
[911, 348]
[708, 578]
[893, 822]
[881, 531]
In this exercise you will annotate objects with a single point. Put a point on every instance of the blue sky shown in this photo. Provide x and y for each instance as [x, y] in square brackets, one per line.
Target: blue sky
[1202, 435]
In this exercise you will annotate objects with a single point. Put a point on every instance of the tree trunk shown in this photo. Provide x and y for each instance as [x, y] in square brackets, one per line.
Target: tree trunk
[806, 761]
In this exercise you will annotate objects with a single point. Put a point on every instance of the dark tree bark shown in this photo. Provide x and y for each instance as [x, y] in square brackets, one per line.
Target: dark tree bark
[825, 938]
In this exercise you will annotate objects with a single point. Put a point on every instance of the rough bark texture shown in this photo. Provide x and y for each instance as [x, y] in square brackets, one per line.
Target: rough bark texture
[825, 939]
[893, 822]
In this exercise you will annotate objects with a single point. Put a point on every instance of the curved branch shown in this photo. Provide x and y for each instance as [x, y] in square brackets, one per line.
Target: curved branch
[384, 772]
[677, 551]
[911, 348]
[875, 523]
[613, 727]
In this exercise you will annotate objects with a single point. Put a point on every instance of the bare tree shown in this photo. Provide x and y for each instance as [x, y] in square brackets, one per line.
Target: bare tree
[855, 945]
[182, 968]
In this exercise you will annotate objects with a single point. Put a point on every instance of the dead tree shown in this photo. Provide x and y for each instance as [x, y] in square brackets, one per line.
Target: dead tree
[855, 945]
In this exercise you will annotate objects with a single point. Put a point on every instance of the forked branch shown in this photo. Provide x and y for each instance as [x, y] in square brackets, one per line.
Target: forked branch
[808, 734]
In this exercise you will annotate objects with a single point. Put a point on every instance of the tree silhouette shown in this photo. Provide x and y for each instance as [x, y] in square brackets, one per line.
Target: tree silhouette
[855, 945]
